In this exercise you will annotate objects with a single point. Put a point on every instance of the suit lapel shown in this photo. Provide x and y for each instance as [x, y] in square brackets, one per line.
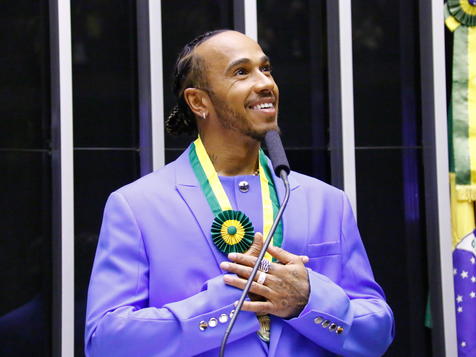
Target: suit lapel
[190, 191]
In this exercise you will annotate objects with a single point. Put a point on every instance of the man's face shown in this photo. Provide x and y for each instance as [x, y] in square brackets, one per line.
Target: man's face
[242, 90]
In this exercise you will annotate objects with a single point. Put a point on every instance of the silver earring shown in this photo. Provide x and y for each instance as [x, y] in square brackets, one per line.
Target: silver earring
[204, 116]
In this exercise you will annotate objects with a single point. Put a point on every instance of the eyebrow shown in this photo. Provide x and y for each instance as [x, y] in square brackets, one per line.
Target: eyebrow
[241, 61]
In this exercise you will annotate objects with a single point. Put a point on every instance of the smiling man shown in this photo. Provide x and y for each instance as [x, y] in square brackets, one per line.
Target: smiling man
[177, 245]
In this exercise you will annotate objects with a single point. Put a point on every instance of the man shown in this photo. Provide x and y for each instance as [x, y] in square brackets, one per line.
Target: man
[162, 282]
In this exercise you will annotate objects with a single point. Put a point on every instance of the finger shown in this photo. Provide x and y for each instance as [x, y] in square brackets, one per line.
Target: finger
[250, 261]
[283, 256]
[304, 259]
[257, 289]
[243, 259]
[238, 269]
[260, 307]
[256, 246]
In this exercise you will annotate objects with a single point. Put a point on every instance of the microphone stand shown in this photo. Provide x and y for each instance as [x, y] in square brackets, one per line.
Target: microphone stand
[284, 176]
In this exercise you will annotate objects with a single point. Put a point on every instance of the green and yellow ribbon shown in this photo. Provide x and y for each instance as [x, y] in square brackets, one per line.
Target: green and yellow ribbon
[460, 18]
[232, 231]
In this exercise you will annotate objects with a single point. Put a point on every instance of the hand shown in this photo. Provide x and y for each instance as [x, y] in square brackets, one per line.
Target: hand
[285, 290]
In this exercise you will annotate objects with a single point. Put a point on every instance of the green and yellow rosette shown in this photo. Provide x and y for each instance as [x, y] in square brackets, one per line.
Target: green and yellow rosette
[232, 232]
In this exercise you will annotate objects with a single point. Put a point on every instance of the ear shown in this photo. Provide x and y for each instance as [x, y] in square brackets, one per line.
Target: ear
[197, 100]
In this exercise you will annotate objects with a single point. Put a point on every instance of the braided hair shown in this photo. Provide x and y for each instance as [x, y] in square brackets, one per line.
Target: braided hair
[188, 72]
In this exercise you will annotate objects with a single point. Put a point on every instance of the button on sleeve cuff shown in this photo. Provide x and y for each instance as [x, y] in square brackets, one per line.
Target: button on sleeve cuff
[327, 316]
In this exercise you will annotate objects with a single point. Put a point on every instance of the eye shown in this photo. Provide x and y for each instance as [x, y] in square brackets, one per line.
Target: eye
[240, 72]
[266, 68]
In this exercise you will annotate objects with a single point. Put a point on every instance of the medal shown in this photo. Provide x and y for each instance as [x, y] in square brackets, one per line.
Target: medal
[231, 230]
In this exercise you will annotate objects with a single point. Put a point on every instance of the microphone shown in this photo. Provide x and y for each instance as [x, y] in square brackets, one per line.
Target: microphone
[281, 169]
[276, 152]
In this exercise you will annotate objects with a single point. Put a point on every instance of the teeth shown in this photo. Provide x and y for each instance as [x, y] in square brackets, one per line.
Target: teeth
[263, 106]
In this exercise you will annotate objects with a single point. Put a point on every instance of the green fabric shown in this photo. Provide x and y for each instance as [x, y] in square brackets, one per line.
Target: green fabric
[459, 107]
[203, 180]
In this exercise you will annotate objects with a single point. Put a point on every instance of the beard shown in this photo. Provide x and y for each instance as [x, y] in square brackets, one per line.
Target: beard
[233, 120]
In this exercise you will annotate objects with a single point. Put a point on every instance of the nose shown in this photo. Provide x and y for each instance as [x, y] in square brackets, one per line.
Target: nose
[264, 82]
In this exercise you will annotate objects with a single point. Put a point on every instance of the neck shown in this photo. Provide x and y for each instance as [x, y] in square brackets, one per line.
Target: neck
[232, 154]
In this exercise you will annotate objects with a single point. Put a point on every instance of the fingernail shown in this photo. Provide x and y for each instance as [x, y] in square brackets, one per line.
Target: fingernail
[224, 265]
[235, 304]
[232, 255]
[226, 278]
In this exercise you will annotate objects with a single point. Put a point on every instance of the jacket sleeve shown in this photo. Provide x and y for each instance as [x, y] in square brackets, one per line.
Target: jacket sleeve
[119, 321]
[350, 317]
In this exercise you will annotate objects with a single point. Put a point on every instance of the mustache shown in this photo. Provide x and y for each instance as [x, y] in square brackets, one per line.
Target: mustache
[262, 95]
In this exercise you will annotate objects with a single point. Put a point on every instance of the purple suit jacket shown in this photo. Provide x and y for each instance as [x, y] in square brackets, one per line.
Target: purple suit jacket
[156, 276]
